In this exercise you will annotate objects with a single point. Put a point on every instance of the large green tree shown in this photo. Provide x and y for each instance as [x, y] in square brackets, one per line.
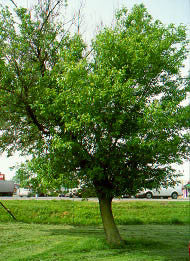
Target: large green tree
[112, 117]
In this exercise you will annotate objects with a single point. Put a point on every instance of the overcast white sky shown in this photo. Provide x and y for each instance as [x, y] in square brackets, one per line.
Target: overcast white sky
[96, 12]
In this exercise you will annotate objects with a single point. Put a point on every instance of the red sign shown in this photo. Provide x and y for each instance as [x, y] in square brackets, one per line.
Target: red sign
[2, 176]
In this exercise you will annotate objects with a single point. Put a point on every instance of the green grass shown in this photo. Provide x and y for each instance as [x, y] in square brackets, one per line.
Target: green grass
[36, 242]
[87, 213]
[71, 230]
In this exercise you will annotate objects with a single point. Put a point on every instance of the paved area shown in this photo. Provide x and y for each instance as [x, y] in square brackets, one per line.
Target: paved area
[89, 199]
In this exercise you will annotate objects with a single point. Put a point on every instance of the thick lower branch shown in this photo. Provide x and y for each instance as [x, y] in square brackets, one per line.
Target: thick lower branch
[35, 121]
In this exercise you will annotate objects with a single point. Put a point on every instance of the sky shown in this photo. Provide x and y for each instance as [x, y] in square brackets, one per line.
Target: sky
[98, 12]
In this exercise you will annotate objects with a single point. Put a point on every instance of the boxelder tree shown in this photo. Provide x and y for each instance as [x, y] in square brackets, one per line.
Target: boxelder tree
[112, 118]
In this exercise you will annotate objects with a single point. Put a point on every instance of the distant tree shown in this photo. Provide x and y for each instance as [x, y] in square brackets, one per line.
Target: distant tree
[41, 177]
[112, 118]
[22, 175]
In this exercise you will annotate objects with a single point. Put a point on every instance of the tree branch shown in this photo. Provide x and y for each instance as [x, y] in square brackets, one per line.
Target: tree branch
[8, 211]
[49, 13]
[14, 3]
[88, 53]
[24, 100]
[6, 90]
[35, 121]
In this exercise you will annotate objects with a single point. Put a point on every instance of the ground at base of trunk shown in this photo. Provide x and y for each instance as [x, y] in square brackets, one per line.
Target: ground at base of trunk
[121, 245]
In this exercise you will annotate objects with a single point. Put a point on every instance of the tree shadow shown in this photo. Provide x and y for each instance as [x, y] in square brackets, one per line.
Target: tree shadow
[76, 231]
[134, 243]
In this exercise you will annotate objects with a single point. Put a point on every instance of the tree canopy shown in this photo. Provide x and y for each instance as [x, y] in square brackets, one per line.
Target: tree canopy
[112, 118]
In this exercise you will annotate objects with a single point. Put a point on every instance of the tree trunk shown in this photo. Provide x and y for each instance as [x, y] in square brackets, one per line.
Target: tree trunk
[112, 234]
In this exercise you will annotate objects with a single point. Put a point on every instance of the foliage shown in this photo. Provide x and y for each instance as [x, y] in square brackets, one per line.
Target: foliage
[112, 118]
[114, 121]
[41, 178]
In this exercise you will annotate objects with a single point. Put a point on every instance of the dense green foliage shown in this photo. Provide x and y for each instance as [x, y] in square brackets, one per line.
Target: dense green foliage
[111, 118]
[87, 213]
[112, 121]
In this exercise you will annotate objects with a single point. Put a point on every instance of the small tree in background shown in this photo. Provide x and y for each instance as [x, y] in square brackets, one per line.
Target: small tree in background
[41, 177]
[113, 119]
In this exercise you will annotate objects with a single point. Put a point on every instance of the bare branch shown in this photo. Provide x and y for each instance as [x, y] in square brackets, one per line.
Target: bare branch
[79, 16]
[8, 210]
[88, 53]
[49, 13]
[78, 25]
[14, 3]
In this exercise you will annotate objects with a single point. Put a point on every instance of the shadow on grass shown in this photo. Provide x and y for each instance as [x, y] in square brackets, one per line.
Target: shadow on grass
[76, 231]
[154, 245]
[98, 233]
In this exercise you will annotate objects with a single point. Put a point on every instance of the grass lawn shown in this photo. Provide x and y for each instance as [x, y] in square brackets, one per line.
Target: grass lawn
[19, 242]
[87, 213]
[70, 230]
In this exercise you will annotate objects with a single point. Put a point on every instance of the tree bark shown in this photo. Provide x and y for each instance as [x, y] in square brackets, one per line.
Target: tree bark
[112, 234]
